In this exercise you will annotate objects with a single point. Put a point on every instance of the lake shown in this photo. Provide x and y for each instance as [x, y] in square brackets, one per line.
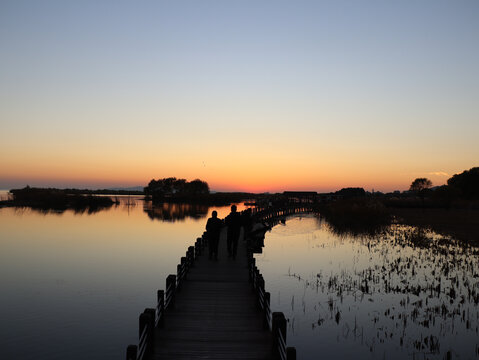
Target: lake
[403, 294]
[73, 284]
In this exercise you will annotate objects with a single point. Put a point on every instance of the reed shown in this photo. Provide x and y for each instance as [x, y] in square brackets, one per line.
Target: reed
[357, 216]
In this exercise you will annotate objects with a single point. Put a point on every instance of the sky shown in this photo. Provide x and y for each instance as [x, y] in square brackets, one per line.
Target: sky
[246, 95]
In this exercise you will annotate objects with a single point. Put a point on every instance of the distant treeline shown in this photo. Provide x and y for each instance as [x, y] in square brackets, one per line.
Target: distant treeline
[353, 210]
[461, 190]
[58, 199]
[103, 192]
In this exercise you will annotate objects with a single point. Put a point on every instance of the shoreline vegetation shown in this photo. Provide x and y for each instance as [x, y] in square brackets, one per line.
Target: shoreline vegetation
[58, 200]
[372, 216]
[451, 210]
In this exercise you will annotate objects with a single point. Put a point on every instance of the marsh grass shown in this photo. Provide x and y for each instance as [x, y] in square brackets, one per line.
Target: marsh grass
[460, 223]
[357, 216]
[417, 290]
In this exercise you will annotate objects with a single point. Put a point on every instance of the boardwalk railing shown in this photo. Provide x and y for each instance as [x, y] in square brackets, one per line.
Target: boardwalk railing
[274, 321]
[151, 319]
[272, 214]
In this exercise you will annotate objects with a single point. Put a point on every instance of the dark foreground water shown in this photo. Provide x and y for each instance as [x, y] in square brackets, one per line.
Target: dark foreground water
[72, 285]
[403, 295]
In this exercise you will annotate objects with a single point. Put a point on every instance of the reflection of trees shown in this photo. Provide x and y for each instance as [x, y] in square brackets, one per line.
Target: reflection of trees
[76, 211]
[357, 217]
[55, 201]
[175, 211]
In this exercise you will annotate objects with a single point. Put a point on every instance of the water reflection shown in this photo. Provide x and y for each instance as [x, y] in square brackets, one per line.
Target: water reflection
[79, 281]
[175, 211]
[403, 294]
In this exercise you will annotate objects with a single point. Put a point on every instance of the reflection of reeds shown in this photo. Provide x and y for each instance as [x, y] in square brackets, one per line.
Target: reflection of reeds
[433, 281]
[459, 223]
[357, 216]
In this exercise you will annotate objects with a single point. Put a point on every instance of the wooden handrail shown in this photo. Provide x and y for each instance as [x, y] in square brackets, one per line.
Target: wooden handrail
[276, 321]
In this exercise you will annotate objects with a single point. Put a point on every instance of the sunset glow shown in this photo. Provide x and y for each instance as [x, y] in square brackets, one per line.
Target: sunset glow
[248, 96]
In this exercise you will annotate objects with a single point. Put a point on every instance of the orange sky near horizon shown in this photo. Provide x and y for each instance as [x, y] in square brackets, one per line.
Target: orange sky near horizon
[349, 94]
[248, 172]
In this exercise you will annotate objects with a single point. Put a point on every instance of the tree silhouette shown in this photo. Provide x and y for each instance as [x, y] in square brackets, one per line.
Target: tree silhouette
[420, 184]
[176, 188]
[467, 183]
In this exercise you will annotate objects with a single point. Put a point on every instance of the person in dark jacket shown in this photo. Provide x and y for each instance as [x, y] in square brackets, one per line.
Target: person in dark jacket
[213, 230]
[247, 220]
[233, 221]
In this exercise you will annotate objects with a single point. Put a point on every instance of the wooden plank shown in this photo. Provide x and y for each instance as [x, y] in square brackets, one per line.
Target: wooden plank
[215, 314]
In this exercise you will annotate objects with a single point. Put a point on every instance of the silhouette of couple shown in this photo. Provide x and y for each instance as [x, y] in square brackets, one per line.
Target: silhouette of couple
[213, 229]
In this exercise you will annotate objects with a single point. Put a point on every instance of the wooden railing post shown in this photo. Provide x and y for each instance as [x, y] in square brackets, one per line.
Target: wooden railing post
[151, 326]
[191, 256]
[205, 240]
[171, 290]
[184, 267]
[143, 323]
[160, 295]
[131, 352]
[251, 268]
[279, 327]
[255, 278]
[147, 321]
[260, 291]
[266, 308]
[197, 248]
[179, 276]
[291, 353]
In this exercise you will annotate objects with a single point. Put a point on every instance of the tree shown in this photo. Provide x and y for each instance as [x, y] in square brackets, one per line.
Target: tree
[351, 192]
[176, 188]
[198, 187]
[467, 183]
[420, 184]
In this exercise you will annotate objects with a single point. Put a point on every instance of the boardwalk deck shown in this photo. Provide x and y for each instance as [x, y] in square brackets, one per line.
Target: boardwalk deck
[217, 309]
[215, 315]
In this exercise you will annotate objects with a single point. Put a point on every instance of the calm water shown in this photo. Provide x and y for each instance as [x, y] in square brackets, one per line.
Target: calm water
[73, 285]
[401, 295]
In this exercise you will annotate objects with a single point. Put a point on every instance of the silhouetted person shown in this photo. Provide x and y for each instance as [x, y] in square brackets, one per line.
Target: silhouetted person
[233, 221]
[213, 230]
[247, 220]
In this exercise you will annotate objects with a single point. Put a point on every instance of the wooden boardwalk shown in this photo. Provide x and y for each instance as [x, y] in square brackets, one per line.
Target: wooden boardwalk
[215, 309]
[216, 315]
